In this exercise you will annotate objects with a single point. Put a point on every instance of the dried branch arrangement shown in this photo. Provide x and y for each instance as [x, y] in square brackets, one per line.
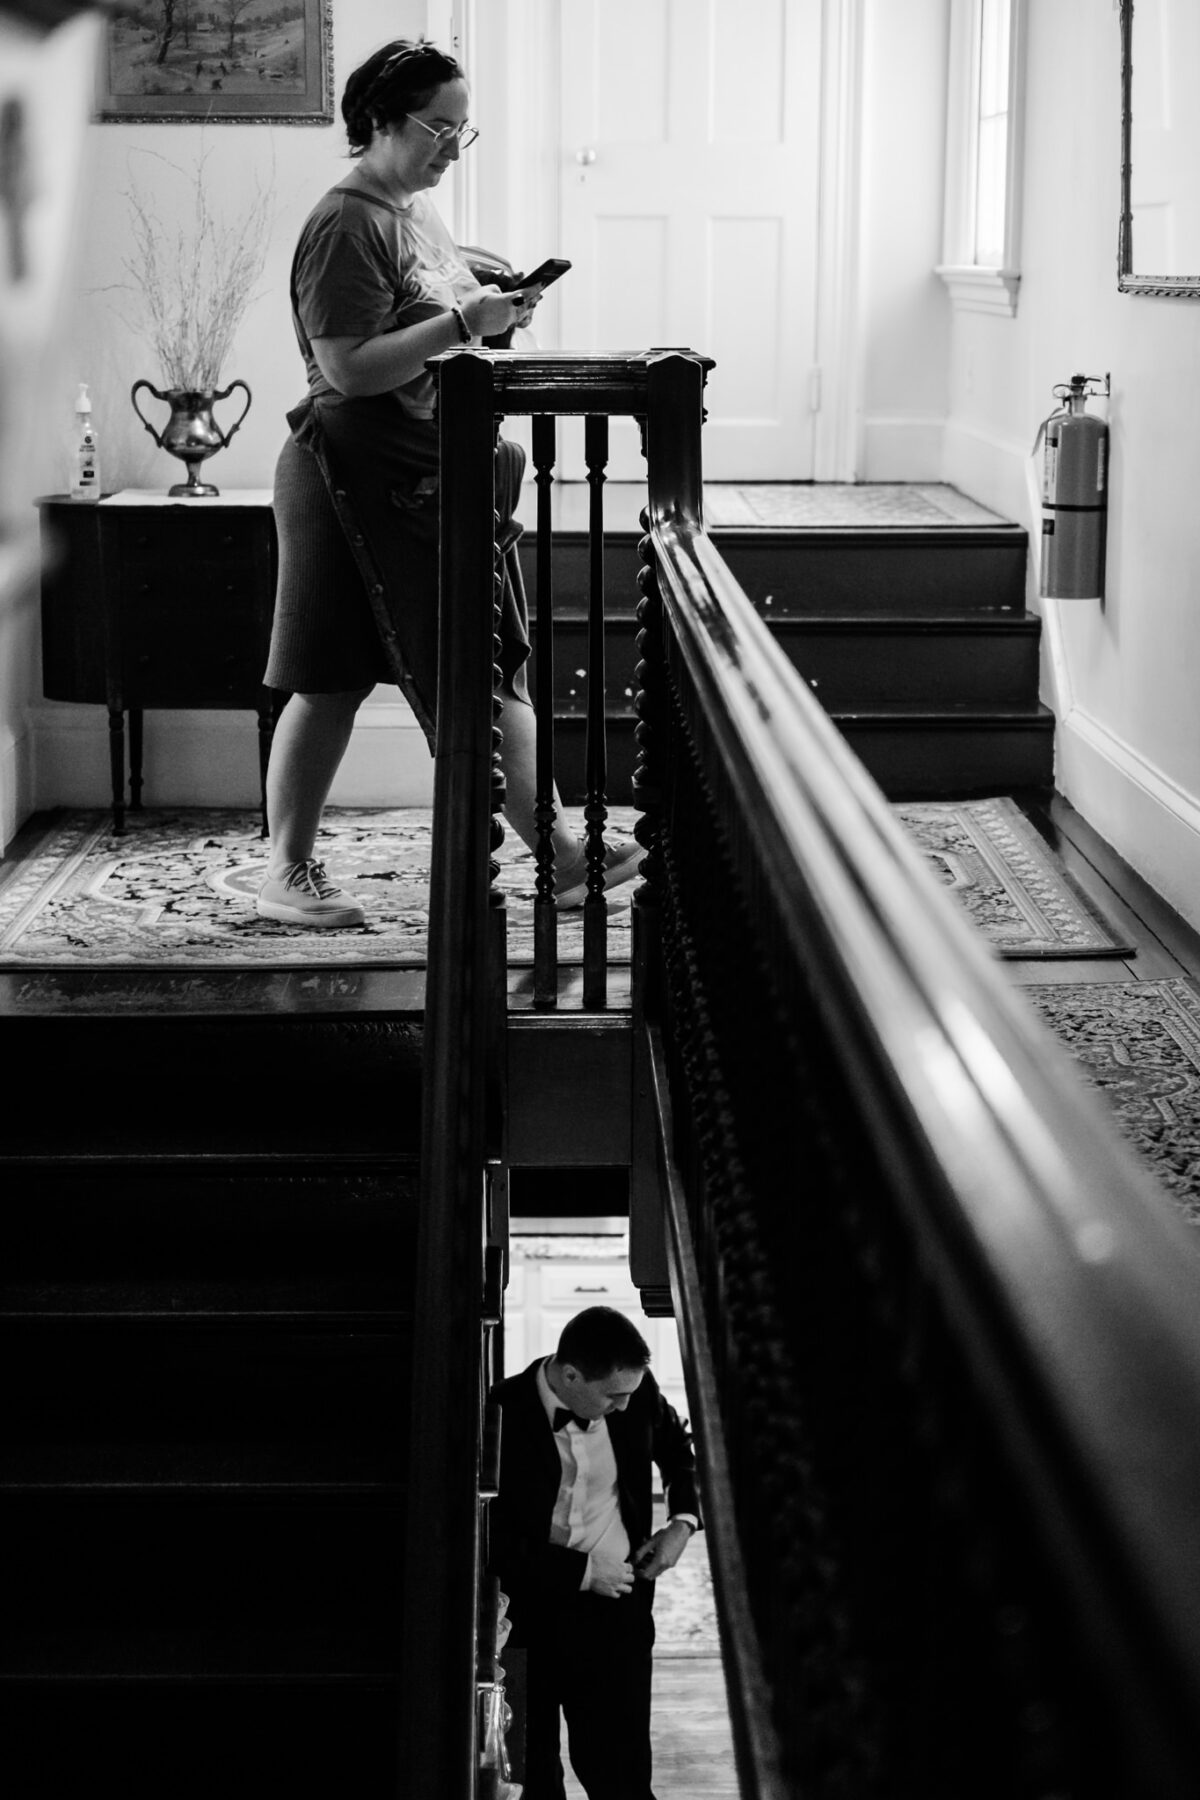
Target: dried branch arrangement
[195, 278]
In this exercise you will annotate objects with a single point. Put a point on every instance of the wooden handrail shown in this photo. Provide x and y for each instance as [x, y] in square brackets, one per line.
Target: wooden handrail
[890, 1193]
[1069, 1288]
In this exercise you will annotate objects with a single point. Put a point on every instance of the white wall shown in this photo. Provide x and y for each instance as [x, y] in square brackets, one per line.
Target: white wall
[60, 753]
[904, 312]
[1120, 676]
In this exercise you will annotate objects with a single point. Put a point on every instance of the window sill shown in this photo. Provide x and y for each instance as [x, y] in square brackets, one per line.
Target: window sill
[973, 288]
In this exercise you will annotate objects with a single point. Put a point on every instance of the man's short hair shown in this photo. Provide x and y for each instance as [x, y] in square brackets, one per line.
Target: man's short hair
[601, 1339]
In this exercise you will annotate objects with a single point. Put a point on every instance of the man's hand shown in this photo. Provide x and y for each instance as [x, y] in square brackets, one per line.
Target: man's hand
[610, 1578]
[662, 1551]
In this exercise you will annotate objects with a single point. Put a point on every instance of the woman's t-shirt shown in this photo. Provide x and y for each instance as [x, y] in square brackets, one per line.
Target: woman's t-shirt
[363, 267]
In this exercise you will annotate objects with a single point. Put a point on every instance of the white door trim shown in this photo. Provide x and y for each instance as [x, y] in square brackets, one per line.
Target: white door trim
[450, 24]
[838, 449]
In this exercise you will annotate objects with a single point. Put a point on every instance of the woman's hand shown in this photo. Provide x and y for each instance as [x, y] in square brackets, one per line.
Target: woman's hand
[529, 298]
[489, 313]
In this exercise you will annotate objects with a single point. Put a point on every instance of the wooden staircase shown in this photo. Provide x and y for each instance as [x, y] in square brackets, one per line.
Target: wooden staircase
[915, 640]
[207, 1312]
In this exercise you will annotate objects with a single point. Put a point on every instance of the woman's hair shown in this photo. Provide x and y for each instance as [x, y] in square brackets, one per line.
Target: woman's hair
[601, 1339]
[401, 78]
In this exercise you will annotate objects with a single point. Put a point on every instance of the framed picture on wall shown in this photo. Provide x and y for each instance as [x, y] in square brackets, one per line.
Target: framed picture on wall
[256, 62]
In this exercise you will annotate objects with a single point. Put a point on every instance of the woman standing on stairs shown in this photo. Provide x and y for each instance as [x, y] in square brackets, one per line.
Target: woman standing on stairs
[378, 288]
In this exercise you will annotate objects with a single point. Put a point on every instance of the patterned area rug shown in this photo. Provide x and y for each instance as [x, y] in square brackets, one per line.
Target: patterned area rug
[1138, 1042]
[1006, 876]
[685, 1612]
[177, 890]
[826, 504]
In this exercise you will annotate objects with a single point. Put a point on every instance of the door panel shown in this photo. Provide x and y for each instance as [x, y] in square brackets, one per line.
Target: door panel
[689, 146]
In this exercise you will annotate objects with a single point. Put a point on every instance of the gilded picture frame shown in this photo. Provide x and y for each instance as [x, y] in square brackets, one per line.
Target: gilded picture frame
[212, 62]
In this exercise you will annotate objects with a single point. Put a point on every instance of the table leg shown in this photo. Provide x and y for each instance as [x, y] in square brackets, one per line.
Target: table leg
[116, 758]
[135, 758]
[268, 712]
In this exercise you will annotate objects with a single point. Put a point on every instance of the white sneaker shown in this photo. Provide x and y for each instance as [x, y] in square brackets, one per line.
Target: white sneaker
[621, 863]
[304, 895]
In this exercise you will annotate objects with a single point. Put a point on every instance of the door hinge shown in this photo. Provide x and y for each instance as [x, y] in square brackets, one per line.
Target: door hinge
[814, 390]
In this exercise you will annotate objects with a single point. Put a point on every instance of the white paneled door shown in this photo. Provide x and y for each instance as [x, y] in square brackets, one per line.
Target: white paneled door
[689, 139]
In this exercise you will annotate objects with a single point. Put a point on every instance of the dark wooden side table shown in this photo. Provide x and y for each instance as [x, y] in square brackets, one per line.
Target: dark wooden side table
[150, 602]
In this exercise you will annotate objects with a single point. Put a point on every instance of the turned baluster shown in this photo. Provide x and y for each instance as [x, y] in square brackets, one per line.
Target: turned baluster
[545, 919]
[595, 916]
[649, 705]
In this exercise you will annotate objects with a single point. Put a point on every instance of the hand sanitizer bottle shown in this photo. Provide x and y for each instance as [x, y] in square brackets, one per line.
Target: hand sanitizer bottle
[85, 468]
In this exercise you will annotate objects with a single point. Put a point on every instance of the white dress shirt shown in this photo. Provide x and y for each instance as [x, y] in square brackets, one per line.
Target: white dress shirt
[587, 1512]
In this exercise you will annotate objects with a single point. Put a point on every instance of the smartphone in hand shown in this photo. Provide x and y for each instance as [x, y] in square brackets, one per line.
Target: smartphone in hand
[542, 276]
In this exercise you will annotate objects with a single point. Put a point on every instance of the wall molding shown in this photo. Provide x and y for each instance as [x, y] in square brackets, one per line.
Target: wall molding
[16, 783]
[202, 758]
[1136, 807]
[839, 452]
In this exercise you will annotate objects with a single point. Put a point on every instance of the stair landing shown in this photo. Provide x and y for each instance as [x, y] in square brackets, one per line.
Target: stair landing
[778, 506]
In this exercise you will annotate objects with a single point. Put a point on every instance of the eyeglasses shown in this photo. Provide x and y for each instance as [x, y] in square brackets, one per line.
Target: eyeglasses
[465, 134]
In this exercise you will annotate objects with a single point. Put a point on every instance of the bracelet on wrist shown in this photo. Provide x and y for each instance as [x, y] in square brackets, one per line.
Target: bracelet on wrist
[465, 333]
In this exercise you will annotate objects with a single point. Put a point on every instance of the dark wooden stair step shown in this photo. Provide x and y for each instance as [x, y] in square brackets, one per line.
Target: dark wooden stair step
[161, 1235]
[189, 1083]
[960, 569]
[329, 1302]
[196, 1735]
[982, 661]
[214, 1655]
[952, 755]
[912, 755]
[199, 1562]
[135, 1401]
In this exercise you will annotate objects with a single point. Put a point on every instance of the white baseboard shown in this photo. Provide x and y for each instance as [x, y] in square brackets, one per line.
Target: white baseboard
[16, 784]
[990, 470]
[211, 758]
[902, 449]
[1147, 818]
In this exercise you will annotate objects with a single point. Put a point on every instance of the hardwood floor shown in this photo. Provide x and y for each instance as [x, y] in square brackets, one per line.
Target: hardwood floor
[1164, 945]
[693, 1749]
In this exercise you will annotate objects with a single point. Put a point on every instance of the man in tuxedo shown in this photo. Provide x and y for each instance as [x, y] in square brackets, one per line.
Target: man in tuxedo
[572, 1545]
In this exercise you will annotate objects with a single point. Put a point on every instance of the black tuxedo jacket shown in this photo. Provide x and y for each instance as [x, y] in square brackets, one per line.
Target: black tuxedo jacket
[535, 1573]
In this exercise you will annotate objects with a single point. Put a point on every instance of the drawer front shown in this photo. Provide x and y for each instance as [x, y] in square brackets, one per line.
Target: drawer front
[194, 601]
[572, 1286]
[220, 672]
[184, 539]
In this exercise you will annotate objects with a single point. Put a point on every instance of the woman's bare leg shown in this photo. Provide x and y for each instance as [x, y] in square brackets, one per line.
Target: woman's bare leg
[518, 758]
[308, 745]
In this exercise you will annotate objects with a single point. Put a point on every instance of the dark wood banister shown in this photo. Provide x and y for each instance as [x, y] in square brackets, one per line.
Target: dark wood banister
[1074, 1295]
[1075, 1288]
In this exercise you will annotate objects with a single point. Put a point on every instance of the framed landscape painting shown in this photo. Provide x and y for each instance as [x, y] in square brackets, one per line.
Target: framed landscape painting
[218, 61]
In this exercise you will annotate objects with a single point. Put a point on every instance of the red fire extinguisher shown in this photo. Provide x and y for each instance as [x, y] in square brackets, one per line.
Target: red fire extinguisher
[1074, 493]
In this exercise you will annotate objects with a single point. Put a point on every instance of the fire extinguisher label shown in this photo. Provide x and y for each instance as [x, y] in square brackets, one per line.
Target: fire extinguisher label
[1101, 461]
[1050, 471]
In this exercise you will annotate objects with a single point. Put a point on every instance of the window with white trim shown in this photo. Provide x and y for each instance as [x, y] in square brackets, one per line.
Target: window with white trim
[981, 243]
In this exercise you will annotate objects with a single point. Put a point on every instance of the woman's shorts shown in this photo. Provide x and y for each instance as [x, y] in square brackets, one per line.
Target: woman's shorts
[325, 637]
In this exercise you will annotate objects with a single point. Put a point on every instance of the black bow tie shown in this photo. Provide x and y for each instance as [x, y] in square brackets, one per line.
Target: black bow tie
[563, 1416]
